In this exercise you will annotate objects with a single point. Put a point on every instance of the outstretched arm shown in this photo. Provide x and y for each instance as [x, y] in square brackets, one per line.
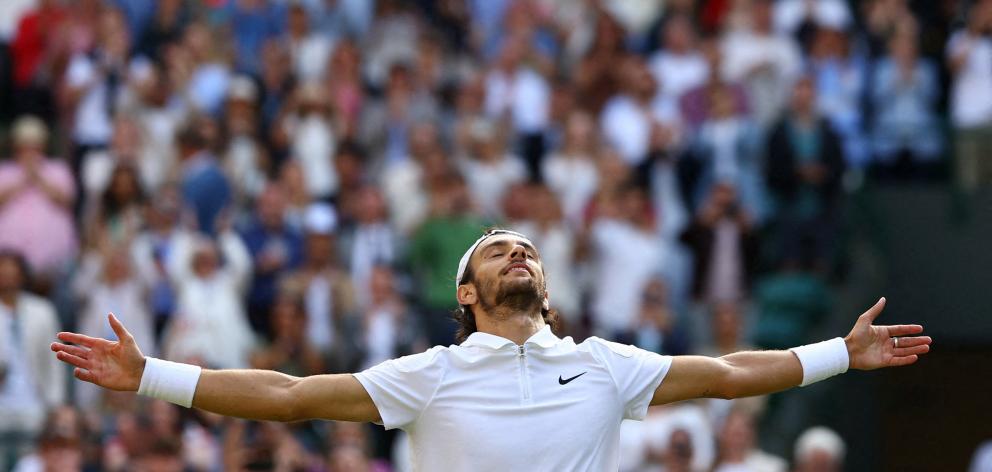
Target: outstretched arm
[251, 394]
[744, 374]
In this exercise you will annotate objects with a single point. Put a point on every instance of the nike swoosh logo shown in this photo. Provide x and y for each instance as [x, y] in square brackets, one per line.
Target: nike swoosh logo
[565, 381]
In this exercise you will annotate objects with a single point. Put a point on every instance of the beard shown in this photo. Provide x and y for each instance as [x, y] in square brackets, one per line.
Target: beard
[513, 296]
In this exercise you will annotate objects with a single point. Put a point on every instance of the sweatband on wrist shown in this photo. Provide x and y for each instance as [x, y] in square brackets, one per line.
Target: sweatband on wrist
[169, 381]
[822, 360]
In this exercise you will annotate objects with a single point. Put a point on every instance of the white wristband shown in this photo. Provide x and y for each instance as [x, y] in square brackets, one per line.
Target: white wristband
[169, 381]
[822, 360]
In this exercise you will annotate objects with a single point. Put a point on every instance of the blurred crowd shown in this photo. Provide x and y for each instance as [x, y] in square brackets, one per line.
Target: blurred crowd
[289, 185]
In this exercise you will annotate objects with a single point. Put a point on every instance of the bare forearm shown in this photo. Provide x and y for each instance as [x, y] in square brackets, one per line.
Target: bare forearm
[761, 372]
[273, 396]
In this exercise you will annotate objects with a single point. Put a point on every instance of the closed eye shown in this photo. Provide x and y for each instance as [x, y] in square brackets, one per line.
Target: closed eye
[494, 255]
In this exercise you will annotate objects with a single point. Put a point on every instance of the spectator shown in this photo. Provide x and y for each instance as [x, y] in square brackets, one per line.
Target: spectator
[434, 251]
[210, 325]
[406, 183]
[166, 26]
[738, 449]
[31, 381]
[547, 229]
[204, 186]
[391, 329]
[969, 56]
[657, 328]
[678, 454]
[309, 50]
[386, 124]
[725, 151]
[36, 198]
[819, 449]
[153, 251]
[803, 171]
[276, 248]
[106, 283]
[724, 244]
[765, 62]
[904, 97]
[158, 112]
[627, 252]
[55, 452]
[327, 290]
[639, 120]
[571, 170]
[840, 74]
[307, 129]
[679, 66]
[488, 168]
[694, 104]
[246, 161]
[253, 22]
[368, 241]
[289, 351]
[34, 50]
[117, 216]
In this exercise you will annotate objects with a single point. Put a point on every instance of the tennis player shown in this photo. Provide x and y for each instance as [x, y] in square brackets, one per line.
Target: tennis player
[512, 395]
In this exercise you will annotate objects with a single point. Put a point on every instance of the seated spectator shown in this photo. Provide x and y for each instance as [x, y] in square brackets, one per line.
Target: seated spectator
[289, 351]
[210, 325]
[31, 381]
[55, 451]
[571, 170]
[306, 128]
[819, 449]
[275, 248]
[969, 57]
[724, 245]
[36, 198]
[804, 167]
[488, 168]
[245, 159]
[905, 91]
[738, 449]
[327, 290]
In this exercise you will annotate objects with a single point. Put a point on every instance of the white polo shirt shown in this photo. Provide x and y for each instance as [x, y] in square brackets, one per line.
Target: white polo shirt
[489, 404]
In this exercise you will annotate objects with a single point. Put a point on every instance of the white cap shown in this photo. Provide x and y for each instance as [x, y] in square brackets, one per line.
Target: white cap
[819, 438]
[242, 88]
[29, 130]
[463, 263]
[320, 218]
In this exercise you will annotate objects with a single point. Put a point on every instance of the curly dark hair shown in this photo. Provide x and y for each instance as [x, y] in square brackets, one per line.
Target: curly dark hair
[466, 319]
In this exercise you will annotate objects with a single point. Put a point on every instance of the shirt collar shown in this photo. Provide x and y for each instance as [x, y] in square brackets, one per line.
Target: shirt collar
[543, 338]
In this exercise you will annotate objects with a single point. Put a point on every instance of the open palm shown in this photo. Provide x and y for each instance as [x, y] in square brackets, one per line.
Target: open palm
[116, 365]
[872, 347]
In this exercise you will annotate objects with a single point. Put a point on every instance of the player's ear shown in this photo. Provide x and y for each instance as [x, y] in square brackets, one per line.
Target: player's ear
[467, 295]
[545, 304]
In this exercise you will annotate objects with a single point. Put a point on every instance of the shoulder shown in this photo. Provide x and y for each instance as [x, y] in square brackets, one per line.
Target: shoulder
[432, 357]
[599, 347]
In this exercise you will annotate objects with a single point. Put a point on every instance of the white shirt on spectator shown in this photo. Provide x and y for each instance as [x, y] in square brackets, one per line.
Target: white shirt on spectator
[626, 124]
[487, 180]
[524, 95]
[313, 145]
[574, 179]
[92, 123]
[678, 73]
[34, 381]
[489, 404]
[626, 259]
[971, 92]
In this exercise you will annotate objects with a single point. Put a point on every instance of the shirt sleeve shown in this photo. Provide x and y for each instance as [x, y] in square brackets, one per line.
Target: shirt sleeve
[402, 388]
[636, 372]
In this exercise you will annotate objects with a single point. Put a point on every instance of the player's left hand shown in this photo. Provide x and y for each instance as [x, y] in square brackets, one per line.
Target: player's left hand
[871, 347]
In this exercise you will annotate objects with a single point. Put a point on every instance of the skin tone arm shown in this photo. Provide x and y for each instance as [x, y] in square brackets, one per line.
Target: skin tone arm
[745, 374]
[251, 394]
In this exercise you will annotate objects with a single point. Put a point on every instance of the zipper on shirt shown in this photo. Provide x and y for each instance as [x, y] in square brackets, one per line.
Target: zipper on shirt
[524, 377]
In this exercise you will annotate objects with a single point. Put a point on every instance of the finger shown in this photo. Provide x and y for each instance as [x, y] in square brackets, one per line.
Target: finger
[909, 351]
[77, 338]
[84, 375]
[902, 330]
[74, 350]
[122, 334]
[901, 361]
[913, 341]
[874, 311]
[73, 360]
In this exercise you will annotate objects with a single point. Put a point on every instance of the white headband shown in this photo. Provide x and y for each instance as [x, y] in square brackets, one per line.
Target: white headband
[463, 264]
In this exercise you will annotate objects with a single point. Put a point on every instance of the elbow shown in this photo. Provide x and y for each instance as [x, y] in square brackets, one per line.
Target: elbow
[728, 387]
[287, 409]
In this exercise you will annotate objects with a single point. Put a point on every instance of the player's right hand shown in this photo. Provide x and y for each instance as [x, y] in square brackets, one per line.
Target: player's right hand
[116, 365]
